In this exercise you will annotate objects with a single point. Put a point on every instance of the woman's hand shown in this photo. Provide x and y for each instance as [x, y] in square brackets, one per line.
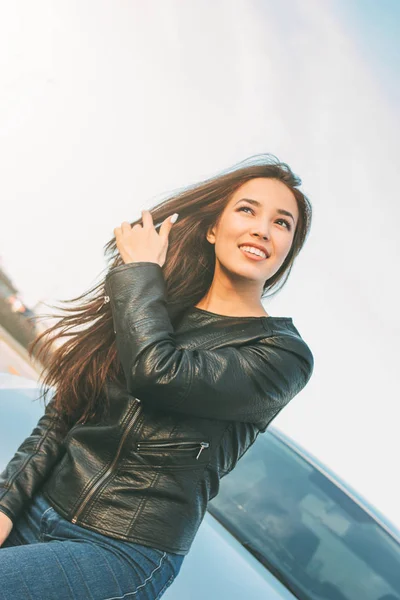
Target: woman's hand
[5, 527]
[143, 243]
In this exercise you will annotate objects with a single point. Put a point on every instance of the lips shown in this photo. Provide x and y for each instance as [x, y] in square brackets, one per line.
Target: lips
[252, 255]
[258, 248]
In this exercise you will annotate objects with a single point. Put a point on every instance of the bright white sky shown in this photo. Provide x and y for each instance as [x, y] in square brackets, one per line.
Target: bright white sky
[105, 106]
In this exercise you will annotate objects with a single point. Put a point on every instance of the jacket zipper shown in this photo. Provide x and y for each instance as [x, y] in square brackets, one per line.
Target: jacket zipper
[99, 482]
[190, 446]
[107, 299]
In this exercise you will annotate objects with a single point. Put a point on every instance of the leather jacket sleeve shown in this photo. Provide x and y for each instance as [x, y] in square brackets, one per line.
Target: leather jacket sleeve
[249, 383]
[32, 462]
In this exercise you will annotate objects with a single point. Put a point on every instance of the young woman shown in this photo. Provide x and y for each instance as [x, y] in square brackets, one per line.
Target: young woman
[170, 370]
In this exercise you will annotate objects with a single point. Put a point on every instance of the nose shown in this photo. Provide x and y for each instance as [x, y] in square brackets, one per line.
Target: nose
[262, 233]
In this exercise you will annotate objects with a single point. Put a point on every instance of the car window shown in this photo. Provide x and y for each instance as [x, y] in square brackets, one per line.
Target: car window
[313, 537]
[19, 412]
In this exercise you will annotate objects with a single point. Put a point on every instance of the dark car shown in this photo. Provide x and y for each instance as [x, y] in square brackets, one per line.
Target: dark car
[283, 525]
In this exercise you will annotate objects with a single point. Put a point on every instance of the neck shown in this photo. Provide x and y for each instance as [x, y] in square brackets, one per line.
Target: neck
[233, 296]
[231, 306]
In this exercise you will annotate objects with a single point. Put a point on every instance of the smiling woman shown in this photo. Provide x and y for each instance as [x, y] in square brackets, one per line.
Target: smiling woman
[170, 370]
[202, 258]
[245, 236]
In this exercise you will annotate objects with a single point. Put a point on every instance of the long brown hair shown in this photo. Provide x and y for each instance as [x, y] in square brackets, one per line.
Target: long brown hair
[78, 368]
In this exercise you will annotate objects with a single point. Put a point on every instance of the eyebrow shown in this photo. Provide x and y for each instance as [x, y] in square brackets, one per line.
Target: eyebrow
[280, 211]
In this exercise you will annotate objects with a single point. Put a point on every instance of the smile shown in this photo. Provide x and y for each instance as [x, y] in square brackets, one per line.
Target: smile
[254, 254]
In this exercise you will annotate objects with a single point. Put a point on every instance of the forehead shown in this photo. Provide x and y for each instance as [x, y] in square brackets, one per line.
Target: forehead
[271, 193]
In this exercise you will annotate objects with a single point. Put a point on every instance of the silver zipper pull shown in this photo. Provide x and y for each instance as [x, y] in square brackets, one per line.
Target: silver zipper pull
[203, 445]
[106, 299]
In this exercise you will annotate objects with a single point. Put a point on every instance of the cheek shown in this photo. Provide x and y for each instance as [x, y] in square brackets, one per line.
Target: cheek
[284, 245]
[225, 252]
[227, 239]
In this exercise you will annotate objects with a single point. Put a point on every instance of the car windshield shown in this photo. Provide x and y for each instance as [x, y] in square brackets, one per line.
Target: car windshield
[310, 534]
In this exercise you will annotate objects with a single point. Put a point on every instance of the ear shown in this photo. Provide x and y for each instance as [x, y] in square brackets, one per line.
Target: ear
[210, 236]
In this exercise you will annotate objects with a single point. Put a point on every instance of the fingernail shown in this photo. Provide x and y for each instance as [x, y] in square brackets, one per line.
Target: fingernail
[174, 217]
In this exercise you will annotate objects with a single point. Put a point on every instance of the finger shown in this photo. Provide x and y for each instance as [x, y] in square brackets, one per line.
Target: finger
[117, 231]
[165, 228]
[125, 227]
[147, 218]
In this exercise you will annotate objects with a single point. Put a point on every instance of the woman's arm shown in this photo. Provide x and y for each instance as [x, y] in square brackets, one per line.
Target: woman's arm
[250, 383]
[32, 462]
[6, 526]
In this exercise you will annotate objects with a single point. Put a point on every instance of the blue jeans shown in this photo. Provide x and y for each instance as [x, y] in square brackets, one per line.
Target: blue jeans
[46, 557]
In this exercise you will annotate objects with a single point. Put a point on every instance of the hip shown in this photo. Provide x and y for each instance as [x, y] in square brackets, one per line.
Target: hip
[59, 559]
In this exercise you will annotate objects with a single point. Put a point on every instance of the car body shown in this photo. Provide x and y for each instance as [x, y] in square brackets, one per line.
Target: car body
[282, 526]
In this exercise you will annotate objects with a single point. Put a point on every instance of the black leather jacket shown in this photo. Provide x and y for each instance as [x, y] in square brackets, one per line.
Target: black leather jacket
[196, 396]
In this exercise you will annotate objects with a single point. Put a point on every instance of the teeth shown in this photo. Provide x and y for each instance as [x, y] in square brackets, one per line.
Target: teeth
[254, 251]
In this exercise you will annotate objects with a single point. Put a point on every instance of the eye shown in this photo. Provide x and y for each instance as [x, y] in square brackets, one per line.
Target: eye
[288, 224]
[246, 208]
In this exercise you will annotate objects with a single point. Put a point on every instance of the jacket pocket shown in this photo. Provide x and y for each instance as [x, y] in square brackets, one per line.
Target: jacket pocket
[191, 447]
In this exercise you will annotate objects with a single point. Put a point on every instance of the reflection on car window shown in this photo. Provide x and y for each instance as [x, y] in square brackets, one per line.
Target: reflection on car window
[306, 530]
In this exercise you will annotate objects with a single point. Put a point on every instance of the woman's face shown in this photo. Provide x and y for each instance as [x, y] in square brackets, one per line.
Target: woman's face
[258, 220]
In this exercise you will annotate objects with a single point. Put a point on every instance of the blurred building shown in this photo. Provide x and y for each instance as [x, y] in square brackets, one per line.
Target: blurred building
[15, 317]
